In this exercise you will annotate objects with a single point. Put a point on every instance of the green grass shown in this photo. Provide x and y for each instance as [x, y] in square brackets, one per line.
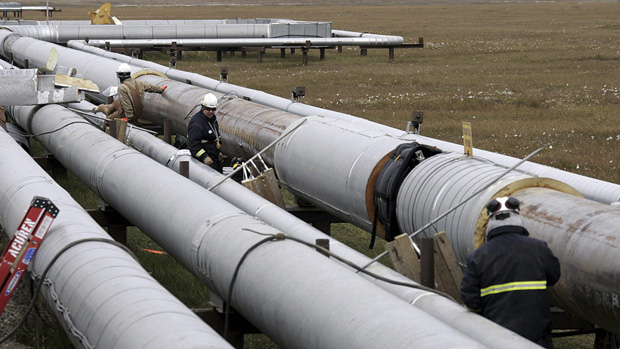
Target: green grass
[523, 74]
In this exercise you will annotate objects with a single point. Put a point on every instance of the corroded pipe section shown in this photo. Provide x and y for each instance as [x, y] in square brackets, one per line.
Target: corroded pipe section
[441, 182]
[246, 127]
[585, 236]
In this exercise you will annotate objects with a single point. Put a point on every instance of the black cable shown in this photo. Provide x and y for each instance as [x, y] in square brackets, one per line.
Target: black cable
[37, 309]
[191, 111]
[234, 277]
[49, 266]
[26, 134]
[282, 236]
[371, 274]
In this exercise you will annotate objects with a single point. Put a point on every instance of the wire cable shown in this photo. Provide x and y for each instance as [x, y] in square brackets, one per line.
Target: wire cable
[371, 274]
[234, 278]
[191, 111]
[26, 134]
[281, 237]
[37, 291]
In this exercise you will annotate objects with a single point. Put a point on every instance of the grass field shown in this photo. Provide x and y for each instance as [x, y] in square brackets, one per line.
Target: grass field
[523, 74]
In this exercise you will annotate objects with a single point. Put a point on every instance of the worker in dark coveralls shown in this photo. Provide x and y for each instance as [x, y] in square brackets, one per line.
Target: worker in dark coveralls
[506, 279]
[203, 134]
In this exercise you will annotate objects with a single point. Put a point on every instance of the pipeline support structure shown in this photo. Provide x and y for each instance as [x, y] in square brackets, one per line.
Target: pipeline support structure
[582, 233]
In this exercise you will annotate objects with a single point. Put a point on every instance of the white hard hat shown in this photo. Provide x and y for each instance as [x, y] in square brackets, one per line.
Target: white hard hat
[209, 100]
[124, 68]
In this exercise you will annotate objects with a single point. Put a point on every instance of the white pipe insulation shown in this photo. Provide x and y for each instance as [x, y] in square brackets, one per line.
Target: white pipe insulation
[200, 33]
[590, 188]
[375, 41]
[107, 299]
[295, 295]
[602, 191]
[62, 33]
[439, 307]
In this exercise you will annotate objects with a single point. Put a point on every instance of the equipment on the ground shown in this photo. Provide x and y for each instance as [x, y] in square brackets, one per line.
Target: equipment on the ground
[23, 246]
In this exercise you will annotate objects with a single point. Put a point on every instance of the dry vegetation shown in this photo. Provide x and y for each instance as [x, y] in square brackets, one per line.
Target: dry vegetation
[523, 74]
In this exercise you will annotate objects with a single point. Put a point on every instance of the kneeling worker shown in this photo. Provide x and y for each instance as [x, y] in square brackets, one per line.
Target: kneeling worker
[203, 134]
[131, 96]
[506, 279]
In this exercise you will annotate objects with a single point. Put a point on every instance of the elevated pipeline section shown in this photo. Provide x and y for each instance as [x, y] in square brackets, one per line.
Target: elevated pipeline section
[259, 131]
[354, 161]
[583, 234]
[439, 307]
[590, 188]
[356, 156]
[306, 301]
[201, 33]
[102, 297]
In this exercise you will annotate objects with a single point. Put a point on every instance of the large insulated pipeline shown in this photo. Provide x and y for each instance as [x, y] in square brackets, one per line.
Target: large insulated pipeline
[338, 148]
[590, 188]
[372, 41]
[102, 297]
[356, 157]
[295, 295]
[583, 234]
[62, 33]
[439, 307]
[588, 240]
[208, 33]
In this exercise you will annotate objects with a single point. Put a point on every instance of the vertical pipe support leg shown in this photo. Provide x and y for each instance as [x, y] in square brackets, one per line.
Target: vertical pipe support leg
[112, 131]
[304, 56]
[427, 262]
[167, 131]
[184, 169]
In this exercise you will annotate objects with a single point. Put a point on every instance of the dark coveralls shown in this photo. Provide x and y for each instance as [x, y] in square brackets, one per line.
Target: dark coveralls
[203, 135]
[506, 281]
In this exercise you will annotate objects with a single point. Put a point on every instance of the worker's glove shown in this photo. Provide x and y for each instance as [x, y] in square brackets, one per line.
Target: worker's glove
[221, 157]
[208, 161]
[102, 108]
[163, 88]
